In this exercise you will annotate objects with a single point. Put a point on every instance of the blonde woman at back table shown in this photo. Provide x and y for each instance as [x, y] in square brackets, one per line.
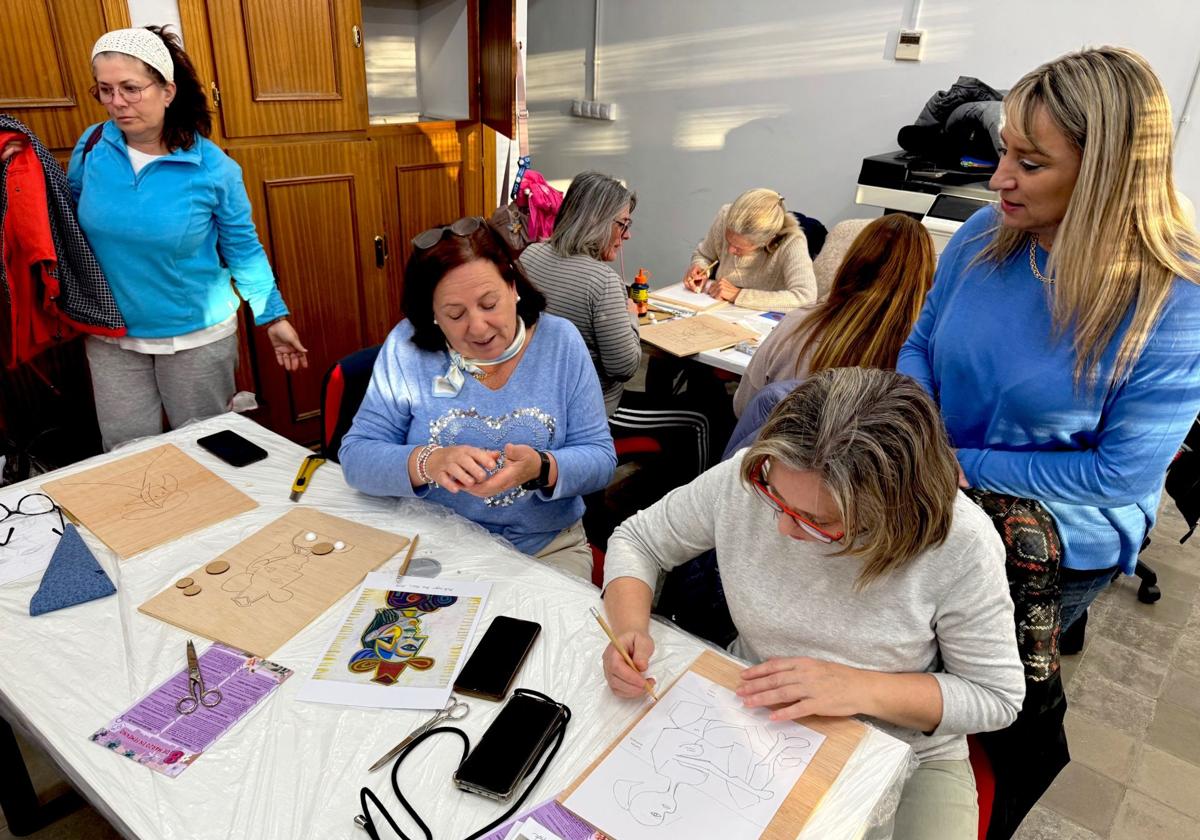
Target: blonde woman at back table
[761, 255]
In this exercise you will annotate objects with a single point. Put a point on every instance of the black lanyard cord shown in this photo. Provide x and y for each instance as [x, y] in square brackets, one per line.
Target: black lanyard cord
[367, 794]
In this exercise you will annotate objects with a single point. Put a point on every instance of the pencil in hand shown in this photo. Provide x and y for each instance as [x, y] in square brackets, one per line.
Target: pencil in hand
[621, 649]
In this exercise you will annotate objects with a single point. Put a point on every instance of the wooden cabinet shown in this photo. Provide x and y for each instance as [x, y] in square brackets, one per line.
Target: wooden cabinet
[288, 68]
[342, 160]
[318, 209]
[45, 74]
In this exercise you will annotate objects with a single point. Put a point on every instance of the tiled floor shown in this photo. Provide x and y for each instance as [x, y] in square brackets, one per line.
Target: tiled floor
[1133, 721]
[1133, 724]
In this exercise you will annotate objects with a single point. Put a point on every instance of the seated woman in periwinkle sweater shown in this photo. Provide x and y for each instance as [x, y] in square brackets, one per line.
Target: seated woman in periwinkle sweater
[480, 403]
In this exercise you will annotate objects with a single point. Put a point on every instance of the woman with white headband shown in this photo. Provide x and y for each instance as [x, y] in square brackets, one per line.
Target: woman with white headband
[166, 212]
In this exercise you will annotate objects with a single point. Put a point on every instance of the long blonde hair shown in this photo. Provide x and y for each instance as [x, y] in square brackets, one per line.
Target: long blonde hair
[1124, 238]
[876, 440]
[875, 298]
[760, 215]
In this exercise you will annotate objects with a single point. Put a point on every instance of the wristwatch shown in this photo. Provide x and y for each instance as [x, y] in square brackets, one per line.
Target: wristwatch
[543, 476]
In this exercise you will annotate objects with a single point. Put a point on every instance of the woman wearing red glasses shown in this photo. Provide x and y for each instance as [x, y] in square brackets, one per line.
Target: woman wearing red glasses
[860, 580]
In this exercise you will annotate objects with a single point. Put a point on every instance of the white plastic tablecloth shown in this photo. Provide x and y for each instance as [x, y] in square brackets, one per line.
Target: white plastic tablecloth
[293, 769]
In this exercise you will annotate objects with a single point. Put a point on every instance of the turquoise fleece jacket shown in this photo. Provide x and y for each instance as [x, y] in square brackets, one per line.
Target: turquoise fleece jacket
[171, 237]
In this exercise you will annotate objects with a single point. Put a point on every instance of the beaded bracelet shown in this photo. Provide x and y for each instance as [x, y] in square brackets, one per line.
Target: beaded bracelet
[422, 460]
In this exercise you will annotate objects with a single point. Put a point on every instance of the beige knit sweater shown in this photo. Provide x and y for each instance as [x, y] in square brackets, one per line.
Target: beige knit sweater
[780, 280]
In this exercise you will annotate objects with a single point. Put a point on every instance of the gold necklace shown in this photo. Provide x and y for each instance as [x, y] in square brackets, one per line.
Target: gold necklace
[1033, 262]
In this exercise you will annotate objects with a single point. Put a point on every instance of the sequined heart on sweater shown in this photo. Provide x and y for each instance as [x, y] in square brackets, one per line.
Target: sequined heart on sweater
[467, 427]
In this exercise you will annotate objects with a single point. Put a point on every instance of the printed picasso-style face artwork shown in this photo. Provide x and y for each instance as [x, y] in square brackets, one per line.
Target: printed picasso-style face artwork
[272, 573]
[393, 641]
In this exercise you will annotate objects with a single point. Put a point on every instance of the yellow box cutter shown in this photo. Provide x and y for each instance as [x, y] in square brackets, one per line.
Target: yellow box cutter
[305, 475]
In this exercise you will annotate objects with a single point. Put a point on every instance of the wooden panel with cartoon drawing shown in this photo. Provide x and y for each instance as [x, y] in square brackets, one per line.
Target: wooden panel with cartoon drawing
[148, 499]
[270, 586]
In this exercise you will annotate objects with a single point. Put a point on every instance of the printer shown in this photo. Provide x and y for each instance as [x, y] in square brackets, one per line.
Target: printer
[942, 198]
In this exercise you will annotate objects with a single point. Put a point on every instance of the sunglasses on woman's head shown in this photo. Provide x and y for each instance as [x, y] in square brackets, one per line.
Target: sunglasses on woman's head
[463, 227]
[759, 479]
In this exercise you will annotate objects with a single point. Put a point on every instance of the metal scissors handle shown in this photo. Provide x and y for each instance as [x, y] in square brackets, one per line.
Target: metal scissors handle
[454, 709]
[196, 696]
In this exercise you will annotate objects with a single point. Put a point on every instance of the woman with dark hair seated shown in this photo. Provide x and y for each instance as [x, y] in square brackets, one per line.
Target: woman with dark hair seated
[481, 403]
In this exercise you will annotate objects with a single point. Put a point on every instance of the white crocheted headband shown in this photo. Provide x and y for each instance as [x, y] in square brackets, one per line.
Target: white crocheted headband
[139, 43]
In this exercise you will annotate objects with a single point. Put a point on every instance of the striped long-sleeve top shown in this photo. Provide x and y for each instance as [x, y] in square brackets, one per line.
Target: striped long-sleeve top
[591, 295]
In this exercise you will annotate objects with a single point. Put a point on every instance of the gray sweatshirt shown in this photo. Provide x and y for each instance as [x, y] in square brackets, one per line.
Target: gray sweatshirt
[948, 612]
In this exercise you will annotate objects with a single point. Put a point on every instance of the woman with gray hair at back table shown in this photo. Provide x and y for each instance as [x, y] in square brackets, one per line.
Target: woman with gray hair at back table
[760, 253]
[860, 580]
[573, 271]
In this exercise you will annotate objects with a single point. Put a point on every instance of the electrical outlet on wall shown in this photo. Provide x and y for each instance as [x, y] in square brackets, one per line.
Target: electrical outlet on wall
[909, 44]
[592, 110]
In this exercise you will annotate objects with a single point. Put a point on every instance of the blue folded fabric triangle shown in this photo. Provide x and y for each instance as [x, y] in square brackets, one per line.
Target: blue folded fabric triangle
[73, 576]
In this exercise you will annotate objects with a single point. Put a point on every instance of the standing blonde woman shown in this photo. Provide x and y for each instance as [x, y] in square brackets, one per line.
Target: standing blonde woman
[761, 255]
[1062, 334]
[860, 580]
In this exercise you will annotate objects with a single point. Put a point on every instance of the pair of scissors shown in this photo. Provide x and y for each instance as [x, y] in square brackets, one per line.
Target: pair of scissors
[197, 696]
[454, 709]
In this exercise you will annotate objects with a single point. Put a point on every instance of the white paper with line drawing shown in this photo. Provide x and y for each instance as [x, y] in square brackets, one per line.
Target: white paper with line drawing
[698, 764]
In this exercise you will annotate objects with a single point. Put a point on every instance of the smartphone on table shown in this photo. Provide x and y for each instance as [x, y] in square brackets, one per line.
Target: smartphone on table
[511, 745]
[493, 665]
[232, 448]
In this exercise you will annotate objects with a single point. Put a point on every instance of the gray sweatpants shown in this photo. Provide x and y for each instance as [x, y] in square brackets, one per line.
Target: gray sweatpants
[132, 389]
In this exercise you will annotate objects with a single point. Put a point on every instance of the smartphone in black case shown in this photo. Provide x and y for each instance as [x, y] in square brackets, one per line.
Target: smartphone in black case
[232, 448]
[494, 663]
[511, 746]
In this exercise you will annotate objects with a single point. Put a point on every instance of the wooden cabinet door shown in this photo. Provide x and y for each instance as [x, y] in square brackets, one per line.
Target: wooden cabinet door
[498, 65]
[317, 207]
[288, 68]
[45, 71]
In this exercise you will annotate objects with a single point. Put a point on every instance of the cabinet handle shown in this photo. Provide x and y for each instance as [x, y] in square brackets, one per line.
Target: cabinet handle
[381, 251]
[357, 35]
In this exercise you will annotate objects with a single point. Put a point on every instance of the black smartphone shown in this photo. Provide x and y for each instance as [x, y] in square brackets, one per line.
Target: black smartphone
[494, 663]
[232, 448]
[511, 745]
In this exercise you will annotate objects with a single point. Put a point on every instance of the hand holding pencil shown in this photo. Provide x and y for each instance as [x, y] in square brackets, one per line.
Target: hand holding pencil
[696, 279]
[626, 659]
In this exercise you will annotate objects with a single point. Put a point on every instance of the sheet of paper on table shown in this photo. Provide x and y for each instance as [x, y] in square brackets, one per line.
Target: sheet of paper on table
[153, 732]
[688, 336]
[31, 543]
[679, 295]
[401, 645]
[698, 764]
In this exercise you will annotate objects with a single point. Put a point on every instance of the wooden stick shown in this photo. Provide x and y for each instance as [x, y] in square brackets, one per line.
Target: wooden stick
[620, 649]
[412, 546]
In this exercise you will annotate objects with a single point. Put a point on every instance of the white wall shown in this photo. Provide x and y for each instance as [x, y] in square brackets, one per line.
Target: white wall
[442, 59]
[155, 13]
[390, 30]
[715, 97]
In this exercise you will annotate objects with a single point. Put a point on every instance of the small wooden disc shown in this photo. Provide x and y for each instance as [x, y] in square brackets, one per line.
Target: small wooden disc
[322, 548]
[184, 583]
[192, 590]
[217, 567]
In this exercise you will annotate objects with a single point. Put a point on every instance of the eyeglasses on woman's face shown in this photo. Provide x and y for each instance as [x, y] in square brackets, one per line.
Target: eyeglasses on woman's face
[759, 479]
[624, 224]
[130, 92]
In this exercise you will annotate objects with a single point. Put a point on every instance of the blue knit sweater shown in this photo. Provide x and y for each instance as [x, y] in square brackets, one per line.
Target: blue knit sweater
[551, 402]
[984, 347]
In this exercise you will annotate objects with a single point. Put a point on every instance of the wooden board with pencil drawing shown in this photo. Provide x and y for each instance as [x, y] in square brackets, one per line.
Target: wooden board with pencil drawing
[688, 336]
[276, 582]
[145, 500]
[842, 736]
